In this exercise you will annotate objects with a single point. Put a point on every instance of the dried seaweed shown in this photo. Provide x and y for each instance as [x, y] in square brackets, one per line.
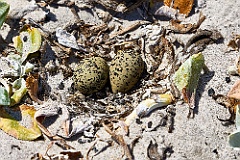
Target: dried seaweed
[201, 39]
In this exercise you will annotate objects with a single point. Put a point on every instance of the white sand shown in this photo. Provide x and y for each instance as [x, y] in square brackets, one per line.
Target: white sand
[203, 137]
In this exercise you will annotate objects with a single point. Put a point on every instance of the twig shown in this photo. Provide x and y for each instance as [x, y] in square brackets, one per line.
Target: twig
[89, 150]
[129, 28]
[119, 139]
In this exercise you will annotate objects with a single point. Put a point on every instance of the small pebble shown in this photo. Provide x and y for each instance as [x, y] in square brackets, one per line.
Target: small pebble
[25, 38]
[71, 89]
[138, 121]
[227, 79]
[149, 124]
[211, 92]
[61, 86]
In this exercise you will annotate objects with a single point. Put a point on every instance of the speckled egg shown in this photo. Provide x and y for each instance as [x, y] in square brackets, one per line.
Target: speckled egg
[125, 70]
[91, 75]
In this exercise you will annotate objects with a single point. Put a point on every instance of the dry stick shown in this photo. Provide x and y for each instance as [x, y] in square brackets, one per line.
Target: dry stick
[94, 144]
[48, 148]
[73, 10]
[129, 28]
[201, 19]
[43, 129]
[133, 143]
[100, 29]
[63, 145]
[89, 150]
[109, 143]
[46, 131]
[78, 20]
[119, 139]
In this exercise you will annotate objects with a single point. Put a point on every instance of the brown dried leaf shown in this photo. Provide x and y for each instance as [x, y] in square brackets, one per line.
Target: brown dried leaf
[178, 27]
[167, 55]
[235, 43]
[32, 87]
[229, 103]
[235, 91]
[72, 154]
[63, 155]
[224, 100]
[184, 6]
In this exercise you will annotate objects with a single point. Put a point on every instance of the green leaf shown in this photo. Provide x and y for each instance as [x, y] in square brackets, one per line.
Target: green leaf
[18, 44]
[23, 127]
[4, 97]
[4, 9]
[35, 38]
[234, 139]
[21, 90]
[187, 76]
[29, 41]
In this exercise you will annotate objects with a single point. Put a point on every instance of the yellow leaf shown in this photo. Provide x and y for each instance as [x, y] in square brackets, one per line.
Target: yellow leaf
[28, 41]
[23, 127]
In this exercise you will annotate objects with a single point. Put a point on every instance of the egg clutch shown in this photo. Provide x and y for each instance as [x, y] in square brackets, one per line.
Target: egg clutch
[125, 70]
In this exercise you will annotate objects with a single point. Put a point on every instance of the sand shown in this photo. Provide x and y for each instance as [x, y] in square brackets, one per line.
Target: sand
[204, 137]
